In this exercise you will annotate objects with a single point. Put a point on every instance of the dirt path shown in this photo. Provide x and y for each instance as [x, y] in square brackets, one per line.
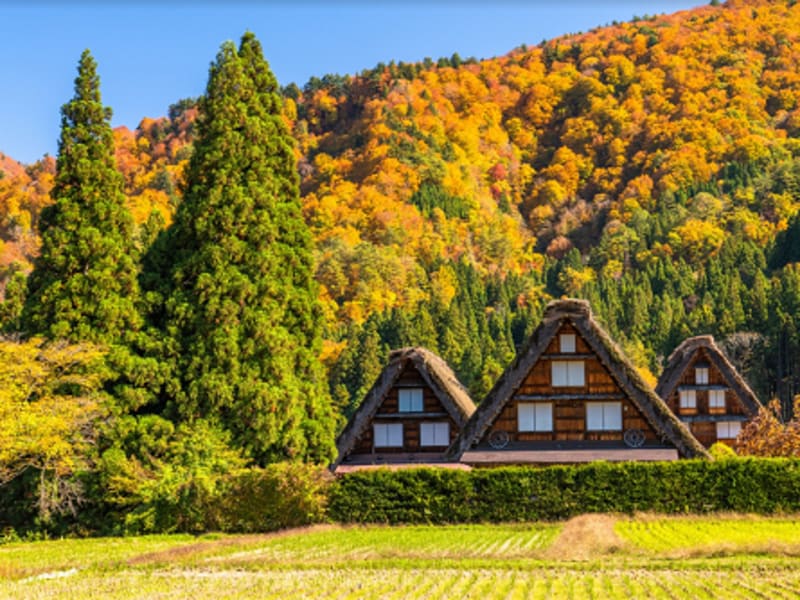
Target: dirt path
[189, 550]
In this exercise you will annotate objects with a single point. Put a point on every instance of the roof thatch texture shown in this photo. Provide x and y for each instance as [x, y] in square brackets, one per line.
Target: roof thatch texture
[436, 373]
[681, 358]
[579, 313]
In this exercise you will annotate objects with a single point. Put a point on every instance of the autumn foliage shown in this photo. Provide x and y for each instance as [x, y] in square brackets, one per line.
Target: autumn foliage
[769, 435]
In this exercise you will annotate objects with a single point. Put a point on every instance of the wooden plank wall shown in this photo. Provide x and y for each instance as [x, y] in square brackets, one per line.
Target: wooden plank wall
[705, 432]
[411, 431]
[569, 416]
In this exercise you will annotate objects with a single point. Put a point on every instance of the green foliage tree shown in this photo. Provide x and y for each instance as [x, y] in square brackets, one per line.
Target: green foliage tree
[241, 301]
[84, 283]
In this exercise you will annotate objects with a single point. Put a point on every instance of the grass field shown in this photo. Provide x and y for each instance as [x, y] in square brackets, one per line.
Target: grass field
[595, 556]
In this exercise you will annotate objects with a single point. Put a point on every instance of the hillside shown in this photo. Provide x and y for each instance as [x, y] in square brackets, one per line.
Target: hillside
[649, 166]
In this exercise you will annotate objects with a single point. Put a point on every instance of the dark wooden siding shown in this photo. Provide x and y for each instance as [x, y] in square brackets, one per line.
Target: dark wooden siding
[388, 412]
[705, 431]
[569, 415]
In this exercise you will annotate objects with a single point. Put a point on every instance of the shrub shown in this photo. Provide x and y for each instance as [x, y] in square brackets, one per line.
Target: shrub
[753, 485]
[276, 497]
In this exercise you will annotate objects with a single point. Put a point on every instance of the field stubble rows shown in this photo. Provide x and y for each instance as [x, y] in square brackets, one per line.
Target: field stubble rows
[595, 556]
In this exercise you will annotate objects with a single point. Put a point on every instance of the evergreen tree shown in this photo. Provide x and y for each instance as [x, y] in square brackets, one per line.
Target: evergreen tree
[84, 286]
[242, 302]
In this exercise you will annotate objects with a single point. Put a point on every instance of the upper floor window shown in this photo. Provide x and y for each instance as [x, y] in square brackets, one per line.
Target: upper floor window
[701, 375]
[410, 399]
[567, 373]
[434, 434]
[604, 416]
[388, 435]
[716, 399]
[688, 399]
[535, 416]
[566, 342]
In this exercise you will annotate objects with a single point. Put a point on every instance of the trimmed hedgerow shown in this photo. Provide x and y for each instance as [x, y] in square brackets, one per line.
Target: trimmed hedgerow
[754, 485]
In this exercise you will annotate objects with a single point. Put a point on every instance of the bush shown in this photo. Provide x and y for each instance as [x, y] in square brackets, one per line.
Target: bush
[764, 486]
[280, 496]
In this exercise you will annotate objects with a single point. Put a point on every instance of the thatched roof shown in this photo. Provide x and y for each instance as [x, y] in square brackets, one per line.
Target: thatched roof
[436, 373]
[681, 358]
[579, 314]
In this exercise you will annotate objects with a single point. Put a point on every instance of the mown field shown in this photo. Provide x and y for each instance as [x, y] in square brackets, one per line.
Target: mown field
[595, 556]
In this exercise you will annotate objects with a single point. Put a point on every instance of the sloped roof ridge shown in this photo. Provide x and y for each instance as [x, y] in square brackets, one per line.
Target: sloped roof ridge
[579, 313]
[680, 358]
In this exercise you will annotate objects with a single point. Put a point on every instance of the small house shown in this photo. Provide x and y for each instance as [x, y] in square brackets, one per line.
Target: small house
[705, 391]
[410, 416]
[571, 395]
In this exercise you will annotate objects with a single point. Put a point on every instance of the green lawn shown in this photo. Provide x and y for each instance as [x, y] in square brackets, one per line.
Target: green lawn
[588, 557]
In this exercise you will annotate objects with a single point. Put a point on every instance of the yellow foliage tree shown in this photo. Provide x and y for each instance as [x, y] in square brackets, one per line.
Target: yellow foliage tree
[51, 405]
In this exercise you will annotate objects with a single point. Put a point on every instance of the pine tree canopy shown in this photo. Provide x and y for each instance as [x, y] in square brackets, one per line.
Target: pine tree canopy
[84, 283]
[242, 302]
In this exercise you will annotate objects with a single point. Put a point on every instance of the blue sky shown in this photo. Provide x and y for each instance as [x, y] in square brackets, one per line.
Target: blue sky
[151, 54]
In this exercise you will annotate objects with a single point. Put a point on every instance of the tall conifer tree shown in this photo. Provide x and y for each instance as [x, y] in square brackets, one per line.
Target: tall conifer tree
[242, 302]
[84, 283]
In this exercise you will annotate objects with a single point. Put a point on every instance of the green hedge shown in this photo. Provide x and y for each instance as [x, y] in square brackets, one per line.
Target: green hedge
[750, 485]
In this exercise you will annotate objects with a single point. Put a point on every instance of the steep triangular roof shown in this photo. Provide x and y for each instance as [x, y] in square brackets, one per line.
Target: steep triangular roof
[579, 314]
[436, 373]
[682, 356]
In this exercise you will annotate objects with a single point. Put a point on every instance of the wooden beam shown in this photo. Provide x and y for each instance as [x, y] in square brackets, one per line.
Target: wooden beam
[712, 418]
[701, 387]
[568, 356]
[511, 457]
[554, 397]
[411, 415]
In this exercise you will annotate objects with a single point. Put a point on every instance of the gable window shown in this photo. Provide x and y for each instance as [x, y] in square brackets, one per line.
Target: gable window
[410, 399]
[688, 400]
[567, 373]
[388, 435]
[434, 434]
[728, 430]
[566, 343]
[604, 416]
[535, 416]
[716, 399]
[701, 375]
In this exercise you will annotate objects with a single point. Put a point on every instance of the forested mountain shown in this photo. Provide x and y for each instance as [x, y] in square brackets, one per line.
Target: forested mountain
[652, 167]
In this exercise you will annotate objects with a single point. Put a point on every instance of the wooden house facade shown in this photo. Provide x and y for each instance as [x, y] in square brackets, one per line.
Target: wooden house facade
[705, 391]
[411, 415]
[571, 396]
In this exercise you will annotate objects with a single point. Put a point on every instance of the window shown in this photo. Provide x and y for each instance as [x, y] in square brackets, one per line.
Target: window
[567, 373]
[716, 399]
[566, 342]
[434, 434]
[535, 416]
[701, 375]
[604, 416]
[411, 400]
[688, 399]
[388, 435]
[728, 430]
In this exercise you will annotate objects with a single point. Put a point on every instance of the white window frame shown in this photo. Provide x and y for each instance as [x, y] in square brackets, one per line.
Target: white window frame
[567, 343]
[410, 400]
[534, 417]
[568, 373]
[687, 399]
[724, 430]
[701, 375]
[608, 419]
[387, 435]
[434, 434]
[716, 399]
